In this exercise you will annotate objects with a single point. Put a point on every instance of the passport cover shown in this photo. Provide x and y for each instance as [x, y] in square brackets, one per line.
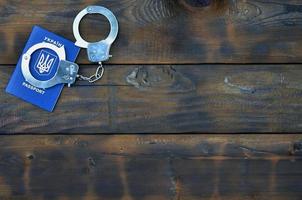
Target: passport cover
[43, 66]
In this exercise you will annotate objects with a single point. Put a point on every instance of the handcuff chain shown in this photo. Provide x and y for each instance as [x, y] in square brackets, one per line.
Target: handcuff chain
[95, 77]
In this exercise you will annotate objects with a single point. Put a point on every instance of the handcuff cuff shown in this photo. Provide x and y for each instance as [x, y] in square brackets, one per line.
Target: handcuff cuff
[67, 72]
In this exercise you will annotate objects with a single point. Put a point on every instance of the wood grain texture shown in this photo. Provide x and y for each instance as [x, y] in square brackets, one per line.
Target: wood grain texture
[168, 31]
[151, 167]
[158, 82]
[167, 99]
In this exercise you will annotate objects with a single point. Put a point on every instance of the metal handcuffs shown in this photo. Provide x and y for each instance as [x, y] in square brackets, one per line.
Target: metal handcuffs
[67, 72]
[97, 51]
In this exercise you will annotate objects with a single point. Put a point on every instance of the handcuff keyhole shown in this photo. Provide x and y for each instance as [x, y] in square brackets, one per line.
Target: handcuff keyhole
[94, 28]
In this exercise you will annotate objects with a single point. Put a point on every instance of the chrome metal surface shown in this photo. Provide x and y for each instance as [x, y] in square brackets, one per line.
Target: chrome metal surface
[97, 51]
[66, 72]
[95, 77]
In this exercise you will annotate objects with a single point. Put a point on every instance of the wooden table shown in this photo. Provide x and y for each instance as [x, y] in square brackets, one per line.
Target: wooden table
[228, 69]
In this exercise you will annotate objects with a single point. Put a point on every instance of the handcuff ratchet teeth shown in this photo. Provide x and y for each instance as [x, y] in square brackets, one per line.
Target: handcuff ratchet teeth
[66, 72]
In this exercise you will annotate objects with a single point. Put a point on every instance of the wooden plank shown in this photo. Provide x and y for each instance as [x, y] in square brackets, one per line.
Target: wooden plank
[151, 167]
[167, 99]
[168, 31]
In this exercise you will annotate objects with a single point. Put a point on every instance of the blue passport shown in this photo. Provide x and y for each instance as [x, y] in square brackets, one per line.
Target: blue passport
[43, 98]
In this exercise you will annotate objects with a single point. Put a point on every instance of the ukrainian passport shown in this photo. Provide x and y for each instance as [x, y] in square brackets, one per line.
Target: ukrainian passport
[43, 66]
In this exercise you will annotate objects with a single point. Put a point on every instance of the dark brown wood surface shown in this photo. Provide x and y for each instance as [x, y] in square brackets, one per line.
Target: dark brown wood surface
[242, 167]
[178, 66]
[168, 99]
[178, 92]
[168, 31]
